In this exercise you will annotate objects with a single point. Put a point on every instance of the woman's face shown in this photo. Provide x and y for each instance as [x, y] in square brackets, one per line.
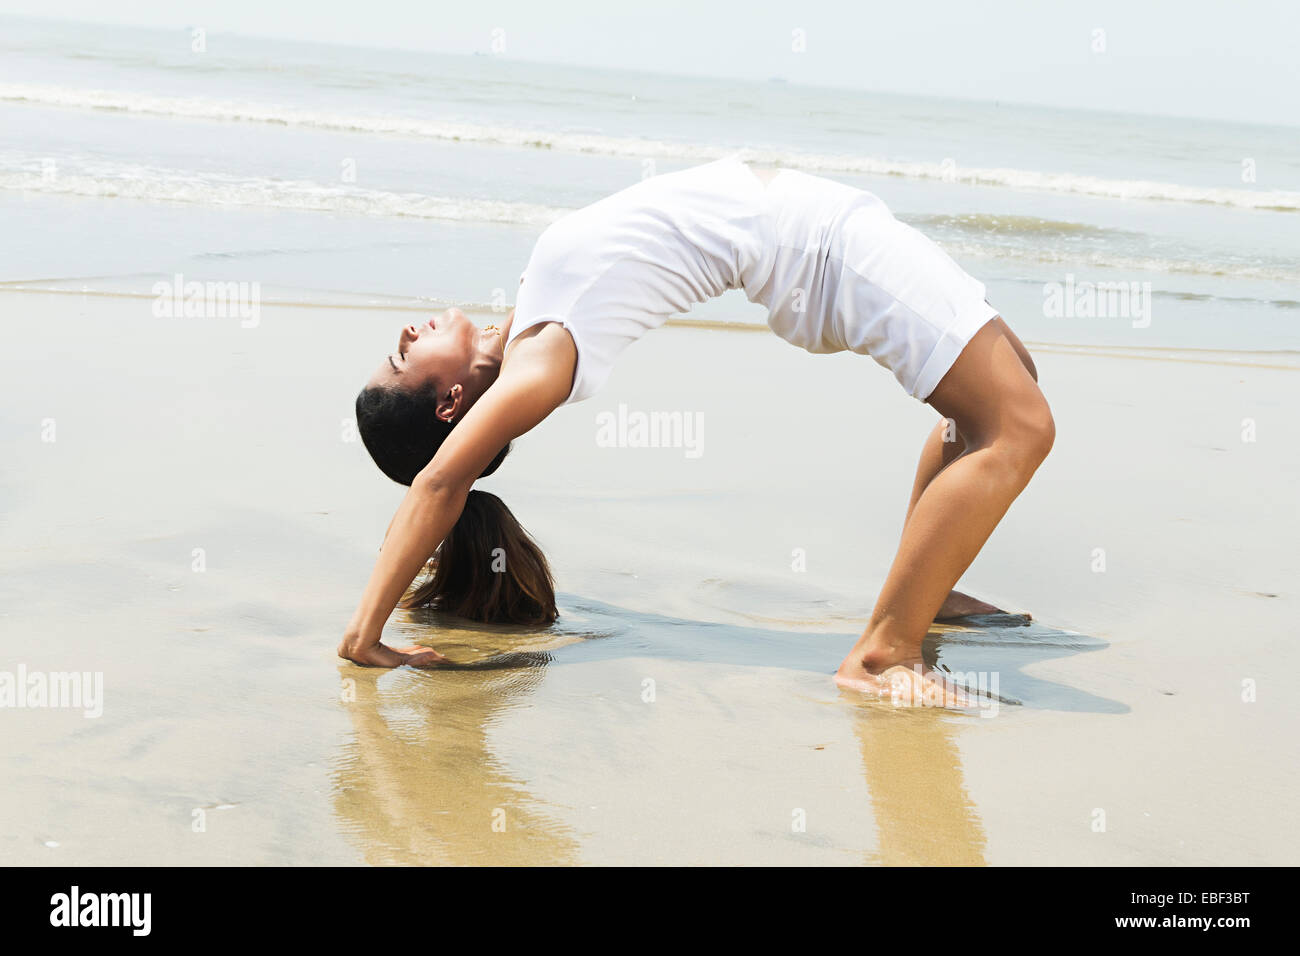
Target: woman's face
[444, 350]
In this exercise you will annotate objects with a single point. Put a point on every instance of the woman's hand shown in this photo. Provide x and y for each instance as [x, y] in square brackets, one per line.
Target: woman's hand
[375, 654]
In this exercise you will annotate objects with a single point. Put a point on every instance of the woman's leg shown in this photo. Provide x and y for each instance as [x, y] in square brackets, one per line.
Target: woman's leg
[942, 447]
[1007, 430]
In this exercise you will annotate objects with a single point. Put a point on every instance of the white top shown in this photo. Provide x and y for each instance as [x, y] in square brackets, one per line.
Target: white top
[611, 271]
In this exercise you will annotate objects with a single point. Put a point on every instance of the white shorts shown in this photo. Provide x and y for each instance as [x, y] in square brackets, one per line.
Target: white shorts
[849, 276]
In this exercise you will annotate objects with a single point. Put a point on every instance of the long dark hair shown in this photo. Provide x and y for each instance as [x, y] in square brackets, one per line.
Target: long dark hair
[488, 568]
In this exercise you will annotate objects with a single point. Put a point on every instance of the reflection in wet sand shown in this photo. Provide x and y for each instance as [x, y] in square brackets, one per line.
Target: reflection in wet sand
[434, 773]
[913, 767]
[417, 782]
[923, 814]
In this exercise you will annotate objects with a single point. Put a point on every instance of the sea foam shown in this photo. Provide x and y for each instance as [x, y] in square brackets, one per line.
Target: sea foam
[587, 142]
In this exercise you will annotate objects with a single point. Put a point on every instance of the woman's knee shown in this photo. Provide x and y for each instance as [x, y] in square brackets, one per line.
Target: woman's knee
[1032, 430]
[994, 402]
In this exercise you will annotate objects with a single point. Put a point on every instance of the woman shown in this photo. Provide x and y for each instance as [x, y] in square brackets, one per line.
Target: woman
[836, 271]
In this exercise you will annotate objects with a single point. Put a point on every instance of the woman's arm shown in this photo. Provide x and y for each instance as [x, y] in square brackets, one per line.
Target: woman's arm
[534, 382]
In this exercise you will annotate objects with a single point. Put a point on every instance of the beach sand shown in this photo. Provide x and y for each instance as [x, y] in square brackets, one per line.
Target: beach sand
[204, 520]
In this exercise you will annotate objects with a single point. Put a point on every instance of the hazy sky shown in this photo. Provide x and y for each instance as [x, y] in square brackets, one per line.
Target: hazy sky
[1214, 58]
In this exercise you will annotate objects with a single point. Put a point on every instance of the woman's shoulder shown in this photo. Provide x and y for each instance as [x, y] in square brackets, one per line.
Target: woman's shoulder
[545, 347]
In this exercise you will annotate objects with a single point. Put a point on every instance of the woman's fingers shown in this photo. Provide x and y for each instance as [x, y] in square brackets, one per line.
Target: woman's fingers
[380, 655]
[418, 656]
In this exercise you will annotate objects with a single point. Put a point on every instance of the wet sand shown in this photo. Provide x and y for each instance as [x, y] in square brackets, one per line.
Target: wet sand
[682, 710]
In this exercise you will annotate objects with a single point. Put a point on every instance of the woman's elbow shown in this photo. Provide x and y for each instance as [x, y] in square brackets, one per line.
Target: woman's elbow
[441, 483]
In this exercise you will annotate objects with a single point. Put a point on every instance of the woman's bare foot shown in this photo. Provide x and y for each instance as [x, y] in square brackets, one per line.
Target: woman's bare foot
[907, 684]
[957, 604]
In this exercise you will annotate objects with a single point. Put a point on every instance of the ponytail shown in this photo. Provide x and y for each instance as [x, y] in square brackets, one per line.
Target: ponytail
[488, 569]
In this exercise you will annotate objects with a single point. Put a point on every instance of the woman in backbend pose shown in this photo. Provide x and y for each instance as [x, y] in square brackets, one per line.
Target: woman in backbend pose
[835, 270]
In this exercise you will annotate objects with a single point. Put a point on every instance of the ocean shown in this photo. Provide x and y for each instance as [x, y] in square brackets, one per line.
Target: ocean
[334, 175]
